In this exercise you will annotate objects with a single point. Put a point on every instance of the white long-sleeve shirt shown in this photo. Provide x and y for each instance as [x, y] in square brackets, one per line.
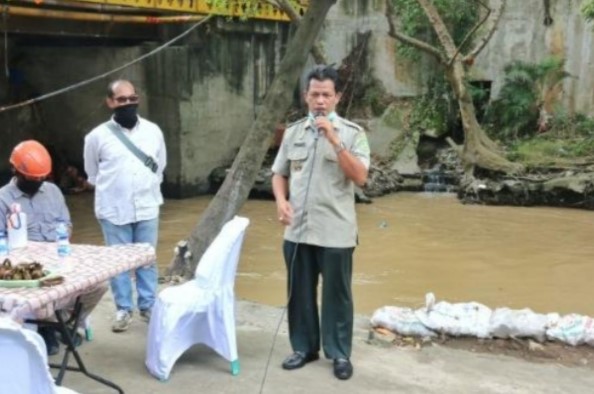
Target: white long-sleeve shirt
[126, 191]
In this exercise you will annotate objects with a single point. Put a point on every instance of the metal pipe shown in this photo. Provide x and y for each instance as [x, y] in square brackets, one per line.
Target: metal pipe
[93, 17]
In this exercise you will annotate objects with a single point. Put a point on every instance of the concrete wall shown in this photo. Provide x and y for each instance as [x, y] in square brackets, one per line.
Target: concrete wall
[348, 17]
[61, 122]
[522, 35]
[205, 92]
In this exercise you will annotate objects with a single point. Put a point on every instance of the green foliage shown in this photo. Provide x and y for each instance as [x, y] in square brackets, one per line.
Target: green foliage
[526, 89]
[375, 98]
[393, 118]
[588, 9]
[570, 137]
[568, 126]
[538, 150]
[433, 110]
[548, 150]
[459, 15]
[249, 7]
[478, 94]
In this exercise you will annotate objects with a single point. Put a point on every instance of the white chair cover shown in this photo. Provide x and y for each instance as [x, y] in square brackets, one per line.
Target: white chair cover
[23, 362]
[201, 310]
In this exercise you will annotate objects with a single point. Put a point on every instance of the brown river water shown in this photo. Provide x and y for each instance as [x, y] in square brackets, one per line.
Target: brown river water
[411, 244]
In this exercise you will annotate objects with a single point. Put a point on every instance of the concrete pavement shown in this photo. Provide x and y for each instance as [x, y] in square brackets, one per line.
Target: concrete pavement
[433, 369]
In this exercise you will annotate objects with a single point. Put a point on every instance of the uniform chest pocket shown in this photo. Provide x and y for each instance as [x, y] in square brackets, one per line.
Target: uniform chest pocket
[297, 155]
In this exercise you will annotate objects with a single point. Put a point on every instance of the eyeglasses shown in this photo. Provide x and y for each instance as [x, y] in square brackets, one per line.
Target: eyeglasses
[126, 99]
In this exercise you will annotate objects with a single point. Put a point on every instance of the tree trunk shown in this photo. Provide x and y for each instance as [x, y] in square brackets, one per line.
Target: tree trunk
[235, 189]
[316, 51]
[479, 150]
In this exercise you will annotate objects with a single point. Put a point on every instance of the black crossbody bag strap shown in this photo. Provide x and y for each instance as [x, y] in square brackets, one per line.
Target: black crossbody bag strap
[143, 157]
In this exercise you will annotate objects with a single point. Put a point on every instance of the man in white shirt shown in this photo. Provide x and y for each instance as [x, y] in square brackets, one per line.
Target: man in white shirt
[124, 160]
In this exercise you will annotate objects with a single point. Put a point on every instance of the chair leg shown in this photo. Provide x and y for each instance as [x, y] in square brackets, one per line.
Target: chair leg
[88, 329]
[235, 367]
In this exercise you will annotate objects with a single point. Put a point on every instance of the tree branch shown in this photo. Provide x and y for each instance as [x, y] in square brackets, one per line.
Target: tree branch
[439, 27]
[421, 45]
[472, 31]
[316, 52]
[492, 24]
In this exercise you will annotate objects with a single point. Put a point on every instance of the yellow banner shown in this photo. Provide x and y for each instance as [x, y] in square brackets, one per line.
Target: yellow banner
[236, 8]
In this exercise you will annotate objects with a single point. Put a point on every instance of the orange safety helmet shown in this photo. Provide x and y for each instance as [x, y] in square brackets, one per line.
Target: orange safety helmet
[31, 159]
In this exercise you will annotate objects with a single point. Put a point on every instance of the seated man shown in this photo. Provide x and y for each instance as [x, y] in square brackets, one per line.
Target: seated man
[44, 205]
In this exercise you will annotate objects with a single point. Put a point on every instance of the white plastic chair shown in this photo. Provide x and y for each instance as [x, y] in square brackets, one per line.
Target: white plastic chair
[201, 310]
[23, 362]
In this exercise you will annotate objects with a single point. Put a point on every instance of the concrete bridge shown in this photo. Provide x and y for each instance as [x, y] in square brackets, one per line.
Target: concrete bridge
[203, 91]
[135, 18]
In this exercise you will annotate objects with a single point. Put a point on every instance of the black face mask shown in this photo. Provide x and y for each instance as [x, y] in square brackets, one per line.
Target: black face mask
[28, 186]
[126, 116]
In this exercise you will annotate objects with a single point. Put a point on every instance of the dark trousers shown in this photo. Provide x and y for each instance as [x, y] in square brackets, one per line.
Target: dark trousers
[305, 263]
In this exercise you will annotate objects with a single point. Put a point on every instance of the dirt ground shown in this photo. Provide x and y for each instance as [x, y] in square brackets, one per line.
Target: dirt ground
[548, 352]
[525, 349]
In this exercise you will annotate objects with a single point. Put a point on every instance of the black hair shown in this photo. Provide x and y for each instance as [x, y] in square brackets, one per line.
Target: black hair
[323, 73]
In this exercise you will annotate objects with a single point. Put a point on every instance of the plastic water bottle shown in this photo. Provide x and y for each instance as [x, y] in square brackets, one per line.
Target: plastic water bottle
[3, 244]
[62, 238]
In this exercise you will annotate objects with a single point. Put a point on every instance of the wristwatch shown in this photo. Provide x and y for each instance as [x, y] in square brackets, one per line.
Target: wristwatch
[340, 147]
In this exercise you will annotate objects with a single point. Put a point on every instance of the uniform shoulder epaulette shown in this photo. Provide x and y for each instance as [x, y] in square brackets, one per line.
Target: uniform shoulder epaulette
[297, 122]
[352, 124]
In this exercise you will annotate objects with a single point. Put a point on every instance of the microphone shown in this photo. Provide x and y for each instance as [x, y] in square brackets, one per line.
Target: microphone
[317, 131]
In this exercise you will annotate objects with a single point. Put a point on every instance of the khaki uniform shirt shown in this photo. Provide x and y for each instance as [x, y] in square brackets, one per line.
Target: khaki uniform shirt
[328, 219]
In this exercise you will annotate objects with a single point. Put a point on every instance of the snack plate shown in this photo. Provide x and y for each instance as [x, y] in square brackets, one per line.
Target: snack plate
[28, 282]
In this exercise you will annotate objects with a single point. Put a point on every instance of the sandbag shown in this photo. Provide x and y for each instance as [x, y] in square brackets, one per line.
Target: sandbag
[522, 323]
[573, 329]
[400, 320]
[460, 319]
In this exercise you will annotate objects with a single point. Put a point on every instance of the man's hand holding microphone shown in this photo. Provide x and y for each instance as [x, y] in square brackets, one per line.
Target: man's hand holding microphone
[325, 127]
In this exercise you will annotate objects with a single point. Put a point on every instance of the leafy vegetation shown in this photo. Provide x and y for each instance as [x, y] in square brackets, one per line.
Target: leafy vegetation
[526, 99]
[459, 15]
[548, 151]
[588, 9]
[514, 117]
[437, 109]
[570, 139]
[525, 117]
[434, 109]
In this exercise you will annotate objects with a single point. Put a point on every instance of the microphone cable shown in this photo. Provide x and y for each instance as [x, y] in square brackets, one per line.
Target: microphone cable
[292, 261]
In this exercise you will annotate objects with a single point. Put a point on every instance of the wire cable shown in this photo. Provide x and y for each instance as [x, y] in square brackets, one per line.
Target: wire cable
[105, 74]
[292, 264]
[5, 23]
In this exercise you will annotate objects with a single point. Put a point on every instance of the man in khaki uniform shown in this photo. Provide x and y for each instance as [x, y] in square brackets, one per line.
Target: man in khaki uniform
[321, 159]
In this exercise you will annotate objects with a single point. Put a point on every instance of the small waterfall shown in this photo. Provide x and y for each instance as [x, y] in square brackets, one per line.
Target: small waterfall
[437, 181]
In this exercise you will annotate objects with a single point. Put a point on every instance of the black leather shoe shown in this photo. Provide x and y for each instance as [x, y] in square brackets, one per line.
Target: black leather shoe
[51, 342]
[343, 369]
[299, 359]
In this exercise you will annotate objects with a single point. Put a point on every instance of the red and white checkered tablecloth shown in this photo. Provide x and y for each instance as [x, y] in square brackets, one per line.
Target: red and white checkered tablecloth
[87, 266]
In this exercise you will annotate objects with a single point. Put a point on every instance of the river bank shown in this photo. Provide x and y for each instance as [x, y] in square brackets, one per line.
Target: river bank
[379, 368]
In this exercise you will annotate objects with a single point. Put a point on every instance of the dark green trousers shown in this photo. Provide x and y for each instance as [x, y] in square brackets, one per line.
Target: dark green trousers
[305, 263]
